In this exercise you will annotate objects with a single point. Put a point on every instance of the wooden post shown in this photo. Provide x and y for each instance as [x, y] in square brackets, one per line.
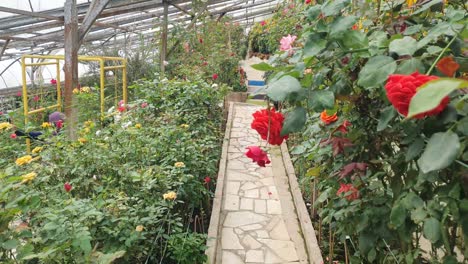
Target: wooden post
[163, 51]
[71, 66]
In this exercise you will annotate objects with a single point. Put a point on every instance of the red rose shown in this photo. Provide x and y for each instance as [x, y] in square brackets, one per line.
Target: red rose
[53, 82]
[59, 124]
[263, 23]
[67, 186]
[401, 88]
[207, 179]
[13, 136]
[144, 105]
[121, 109]
[351, 193]
[264, 118]
[215, 76]
[257, 155]
[328, 119]
[308, 1]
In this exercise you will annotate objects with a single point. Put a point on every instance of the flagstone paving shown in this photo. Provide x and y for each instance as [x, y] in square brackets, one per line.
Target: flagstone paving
[258, 221]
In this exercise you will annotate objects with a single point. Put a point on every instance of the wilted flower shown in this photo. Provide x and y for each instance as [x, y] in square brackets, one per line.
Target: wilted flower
[139, 228]
[179, 164]
[37, 150]
[23, 160]
[28, 177]
[170, 195]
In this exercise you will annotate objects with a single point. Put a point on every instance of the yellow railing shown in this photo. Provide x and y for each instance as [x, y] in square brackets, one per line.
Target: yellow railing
[56, 61]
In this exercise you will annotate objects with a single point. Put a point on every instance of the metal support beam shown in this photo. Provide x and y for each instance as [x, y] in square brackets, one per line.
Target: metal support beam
[95, 9]
[163, 51]
[30, 14]
[71, 65]
[4, 48]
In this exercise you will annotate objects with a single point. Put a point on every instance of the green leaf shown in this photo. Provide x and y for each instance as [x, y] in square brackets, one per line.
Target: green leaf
[410, 66]
[340, 25]
[376, 71]
[414, 149]
[110, 257]
[388, 113]
[434, 49]
[431, 229]
[440, 152]
[397, 216]
[280, 89]
[404, 46]
[331, 8]
[418, 215]
[263, 66]
[10, 244]
[294, 121]
[354, 39]
[314, 44]
[413, 29]
[435, 32]
[321, 99]
[412, 201]
[432, 93]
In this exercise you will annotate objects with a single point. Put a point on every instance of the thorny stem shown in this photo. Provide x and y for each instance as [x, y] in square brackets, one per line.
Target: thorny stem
[391, 252]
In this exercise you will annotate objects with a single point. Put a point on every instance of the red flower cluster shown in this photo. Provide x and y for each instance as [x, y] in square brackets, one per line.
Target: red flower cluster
[272, 121]
[353, 193]
[401, 88]
[257, 155]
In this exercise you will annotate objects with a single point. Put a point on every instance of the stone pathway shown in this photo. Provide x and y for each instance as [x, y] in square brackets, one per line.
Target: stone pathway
[258, 222]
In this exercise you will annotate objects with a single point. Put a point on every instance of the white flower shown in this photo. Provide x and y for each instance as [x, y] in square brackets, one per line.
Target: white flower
[125, 125]
[166, 63]
[214, 85]
[106, 138]
[98, 133]
[117, 118]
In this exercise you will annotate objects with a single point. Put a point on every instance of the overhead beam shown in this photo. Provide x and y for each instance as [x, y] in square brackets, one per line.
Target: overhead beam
[31, 14]
[96, 7]
[4, 48]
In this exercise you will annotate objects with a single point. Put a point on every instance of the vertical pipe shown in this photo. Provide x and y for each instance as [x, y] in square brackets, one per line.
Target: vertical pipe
[163, 51]
[124, 81]
[101, 76]
[25, 101]
[59, 88]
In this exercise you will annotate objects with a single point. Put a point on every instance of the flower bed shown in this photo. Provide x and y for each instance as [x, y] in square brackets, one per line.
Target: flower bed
[135, 189]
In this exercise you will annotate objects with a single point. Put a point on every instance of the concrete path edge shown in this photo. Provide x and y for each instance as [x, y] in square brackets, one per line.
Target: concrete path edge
[308, 232]
[213, 229]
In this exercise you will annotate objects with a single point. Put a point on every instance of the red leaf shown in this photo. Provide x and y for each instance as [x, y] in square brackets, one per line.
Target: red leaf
[447, 66]
[347, 169]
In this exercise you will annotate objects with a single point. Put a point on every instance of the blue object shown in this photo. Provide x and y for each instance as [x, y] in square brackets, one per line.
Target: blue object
[256, 83]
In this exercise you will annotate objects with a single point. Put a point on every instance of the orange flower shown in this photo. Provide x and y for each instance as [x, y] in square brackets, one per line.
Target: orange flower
[448, 66]
[328, 119]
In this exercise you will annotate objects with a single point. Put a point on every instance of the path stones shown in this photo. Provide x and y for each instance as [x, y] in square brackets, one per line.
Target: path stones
[254, 228]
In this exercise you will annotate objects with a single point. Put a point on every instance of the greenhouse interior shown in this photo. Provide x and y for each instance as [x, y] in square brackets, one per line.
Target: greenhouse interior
[234, 131]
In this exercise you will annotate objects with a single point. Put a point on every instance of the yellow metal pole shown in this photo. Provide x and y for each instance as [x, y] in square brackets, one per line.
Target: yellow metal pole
[124, 81]
[102, 73]
[59, 90]
[25, 101]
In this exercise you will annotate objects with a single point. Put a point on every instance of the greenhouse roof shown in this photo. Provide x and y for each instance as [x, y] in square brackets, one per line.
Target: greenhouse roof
[41, 32]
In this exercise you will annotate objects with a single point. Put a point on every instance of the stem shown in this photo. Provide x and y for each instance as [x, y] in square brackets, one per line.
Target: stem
[391, 252]
[442, 53]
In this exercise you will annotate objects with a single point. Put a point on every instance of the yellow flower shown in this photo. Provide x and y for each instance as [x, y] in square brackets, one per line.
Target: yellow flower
[5, 125]
[28, 177]
[184, 126]
[87, 130]
[410, 3]
[89, 123]
[138, 126]
[37, 150]
[85, 89]
[23, 160]
[82, 140]
[76, 91]
[170, 195]
[179, 164]
[46, 125]
[139, 228]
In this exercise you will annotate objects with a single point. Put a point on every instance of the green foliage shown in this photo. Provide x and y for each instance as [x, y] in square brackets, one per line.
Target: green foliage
[414, 183]
[119, 171]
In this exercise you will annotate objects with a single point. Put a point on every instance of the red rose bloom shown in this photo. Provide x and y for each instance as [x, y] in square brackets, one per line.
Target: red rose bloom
[53, 82]
[257, 155]
[264, 118]
[308, 1]
[401, 88]
[13, 136]
[67, 186]
[215, 76]
[353, 193]
[207, 179]
[263, 23]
